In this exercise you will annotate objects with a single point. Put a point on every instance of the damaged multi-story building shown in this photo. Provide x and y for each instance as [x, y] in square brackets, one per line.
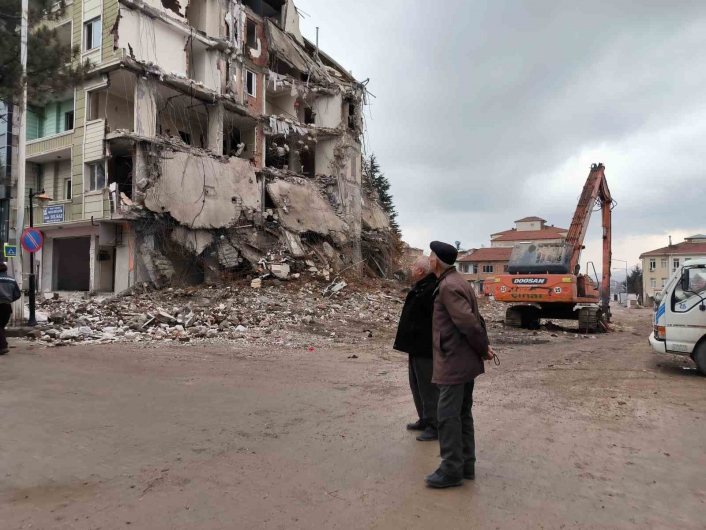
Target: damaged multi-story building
[210, 137]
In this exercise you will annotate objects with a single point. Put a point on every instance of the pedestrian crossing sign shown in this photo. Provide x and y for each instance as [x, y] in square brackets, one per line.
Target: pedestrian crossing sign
[10, 251]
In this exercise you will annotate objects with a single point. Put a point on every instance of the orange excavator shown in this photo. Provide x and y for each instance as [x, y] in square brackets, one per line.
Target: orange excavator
[544, 280]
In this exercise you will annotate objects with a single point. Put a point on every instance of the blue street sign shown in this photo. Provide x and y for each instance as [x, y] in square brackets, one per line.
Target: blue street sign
[54, 214]
[31, 239]
[10, 251]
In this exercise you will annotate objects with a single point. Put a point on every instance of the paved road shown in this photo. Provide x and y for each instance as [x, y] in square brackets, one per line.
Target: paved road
[574, 433]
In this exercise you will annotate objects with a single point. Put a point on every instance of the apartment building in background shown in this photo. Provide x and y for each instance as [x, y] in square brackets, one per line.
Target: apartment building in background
[480, 266]
[209, 137]
[527, 229]
[658, 265]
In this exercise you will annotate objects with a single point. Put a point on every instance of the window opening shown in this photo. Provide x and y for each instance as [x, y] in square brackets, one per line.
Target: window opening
[92, 32]
[251, 34]
[69, 120]
[250, 83]
[67, 189]
[309, 116]
[96, 176]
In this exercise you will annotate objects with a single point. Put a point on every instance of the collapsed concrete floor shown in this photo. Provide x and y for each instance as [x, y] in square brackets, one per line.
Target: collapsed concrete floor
[195, 216]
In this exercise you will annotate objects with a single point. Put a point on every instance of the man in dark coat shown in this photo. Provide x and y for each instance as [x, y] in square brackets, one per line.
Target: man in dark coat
[460, 346]
[415, 338]
[9, 292]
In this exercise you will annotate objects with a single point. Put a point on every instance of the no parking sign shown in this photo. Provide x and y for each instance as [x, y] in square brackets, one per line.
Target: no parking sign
[31, 240]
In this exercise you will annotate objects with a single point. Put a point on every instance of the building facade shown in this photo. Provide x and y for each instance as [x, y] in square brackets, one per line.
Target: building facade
[529, 229]
[479, 267]
[658, 265]
[209, 137]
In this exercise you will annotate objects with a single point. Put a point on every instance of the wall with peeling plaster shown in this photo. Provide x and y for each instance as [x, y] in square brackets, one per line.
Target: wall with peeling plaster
[152, 41]
[204, 192]
[328, 111]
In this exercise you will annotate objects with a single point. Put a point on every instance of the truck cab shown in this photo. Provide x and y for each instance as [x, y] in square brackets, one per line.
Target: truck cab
[680, 314]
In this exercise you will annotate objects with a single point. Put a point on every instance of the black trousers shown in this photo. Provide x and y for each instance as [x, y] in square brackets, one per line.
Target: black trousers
[5, 312]
[424, 392]
[456, 436]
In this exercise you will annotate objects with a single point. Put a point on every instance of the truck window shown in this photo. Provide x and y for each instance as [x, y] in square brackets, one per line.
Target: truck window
[684, 301]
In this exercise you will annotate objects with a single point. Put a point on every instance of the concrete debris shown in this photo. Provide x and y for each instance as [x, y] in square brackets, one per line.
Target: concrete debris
[264, 311]
[261, 311]
[281, 270]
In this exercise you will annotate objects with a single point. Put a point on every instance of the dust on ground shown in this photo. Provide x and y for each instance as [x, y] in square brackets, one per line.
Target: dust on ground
[572, 432]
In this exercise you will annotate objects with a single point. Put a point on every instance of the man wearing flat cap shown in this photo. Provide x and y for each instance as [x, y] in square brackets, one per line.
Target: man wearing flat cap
[459, 348]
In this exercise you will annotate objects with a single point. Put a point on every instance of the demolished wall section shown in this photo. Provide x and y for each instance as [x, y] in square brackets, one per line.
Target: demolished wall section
[204, 192]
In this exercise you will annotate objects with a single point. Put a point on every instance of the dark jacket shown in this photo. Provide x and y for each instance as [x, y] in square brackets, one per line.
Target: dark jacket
[414, 331]
[460, 342]
[9, 290]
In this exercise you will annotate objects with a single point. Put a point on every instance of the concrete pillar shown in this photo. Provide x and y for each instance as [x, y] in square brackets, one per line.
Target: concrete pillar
[215, 128]
[94, 282]
[145, 106]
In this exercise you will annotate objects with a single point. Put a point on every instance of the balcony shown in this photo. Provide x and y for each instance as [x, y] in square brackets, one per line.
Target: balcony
[55, 147]
[49, 131]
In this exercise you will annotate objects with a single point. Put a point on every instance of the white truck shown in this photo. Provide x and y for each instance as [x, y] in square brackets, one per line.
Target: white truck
[680, 314]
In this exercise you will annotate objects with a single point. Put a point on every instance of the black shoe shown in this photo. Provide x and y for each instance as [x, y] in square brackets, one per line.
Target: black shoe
[418, 425]
[439, 479]
[469, 472]
[4, 351]
[429, 435]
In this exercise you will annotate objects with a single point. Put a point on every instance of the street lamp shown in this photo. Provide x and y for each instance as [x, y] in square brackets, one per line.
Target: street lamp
[42, 197]
[627, 289]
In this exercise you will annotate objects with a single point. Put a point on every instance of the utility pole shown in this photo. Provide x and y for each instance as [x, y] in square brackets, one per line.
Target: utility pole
[22, 147]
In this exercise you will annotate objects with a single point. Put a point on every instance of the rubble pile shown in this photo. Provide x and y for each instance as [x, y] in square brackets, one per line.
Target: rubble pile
[277, 313]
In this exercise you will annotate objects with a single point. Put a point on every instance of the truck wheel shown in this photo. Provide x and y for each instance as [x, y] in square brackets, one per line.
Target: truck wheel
[700, 357]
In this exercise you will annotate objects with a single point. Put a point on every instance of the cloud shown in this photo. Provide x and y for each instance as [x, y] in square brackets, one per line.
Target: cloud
[488, 111]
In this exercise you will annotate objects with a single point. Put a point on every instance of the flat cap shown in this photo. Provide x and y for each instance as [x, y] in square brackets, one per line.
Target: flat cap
[445, 252]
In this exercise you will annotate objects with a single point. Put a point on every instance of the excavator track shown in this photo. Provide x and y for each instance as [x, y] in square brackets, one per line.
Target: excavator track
[522, 317]
[589, 319]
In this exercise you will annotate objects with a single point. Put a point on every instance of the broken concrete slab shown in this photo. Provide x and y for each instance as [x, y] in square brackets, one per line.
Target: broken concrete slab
[280, 270]
[302, 209]
[195, 241]
[374, 216]
[204, 192]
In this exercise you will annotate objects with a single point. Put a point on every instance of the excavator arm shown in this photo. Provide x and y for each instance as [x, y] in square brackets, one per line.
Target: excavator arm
[594, 191]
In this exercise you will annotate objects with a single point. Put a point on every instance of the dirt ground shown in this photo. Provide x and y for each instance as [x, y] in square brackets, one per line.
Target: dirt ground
[571, 432]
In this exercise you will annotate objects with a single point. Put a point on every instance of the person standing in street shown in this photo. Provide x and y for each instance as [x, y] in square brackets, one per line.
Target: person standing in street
[414, 337]
[460, 346]
[9, 292]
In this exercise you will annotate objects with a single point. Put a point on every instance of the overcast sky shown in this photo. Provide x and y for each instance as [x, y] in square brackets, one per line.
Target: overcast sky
[487, 111]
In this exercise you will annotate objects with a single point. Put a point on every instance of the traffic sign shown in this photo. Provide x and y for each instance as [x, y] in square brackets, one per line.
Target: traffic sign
[10, 251]
[31, 240]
